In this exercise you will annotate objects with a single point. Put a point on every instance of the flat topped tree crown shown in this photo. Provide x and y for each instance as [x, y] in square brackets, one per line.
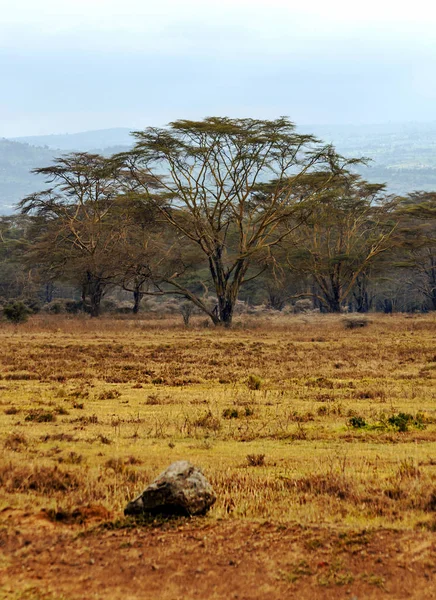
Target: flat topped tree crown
[230, 187]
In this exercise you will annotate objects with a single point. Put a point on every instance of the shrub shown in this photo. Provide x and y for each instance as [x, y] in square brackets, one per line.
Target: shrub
[167, 306]
[33, 304]
[329, 484]
[56, 307]
[254, 382]
[73, 306]
[208, 421]
[16, 312]
[63, 305]
[401, 421]
[124, 308]
[109, 395]
[302, 306]
[256, 460]
[15, 441]
[108, 305]
[231, 413]
[357, 422]
[186, 310]
[355, 322]
[154, 399]
[42, 479]
[39, 415]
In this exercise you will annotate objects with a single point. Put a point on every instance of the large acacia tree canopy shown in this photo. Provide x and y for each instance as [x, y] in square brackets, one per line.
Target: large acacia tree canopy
[231, 186]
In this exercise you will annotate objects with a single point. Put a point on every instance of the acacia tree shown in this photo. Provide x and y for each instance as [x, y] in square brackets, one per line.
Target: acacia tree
[17, 280]
[147, 252]
[338, 243]
[77, 233]
[229, 187]
[417, 214]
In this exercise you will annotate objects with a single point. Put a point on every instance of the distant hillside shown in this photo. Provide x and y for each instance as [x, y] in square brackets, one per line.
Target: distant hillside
[16, 162]
[397, 145]
[18, 158]
[404, 154]
[86, 140]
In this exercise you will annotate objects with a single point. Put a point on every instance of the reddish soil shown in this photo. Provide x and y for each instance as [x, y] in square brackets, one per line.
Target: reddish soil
[206, 559]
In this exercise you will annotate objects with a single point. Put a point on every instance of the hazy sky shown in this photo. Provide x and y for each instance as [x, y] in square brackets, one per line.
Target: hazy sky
[72, 65]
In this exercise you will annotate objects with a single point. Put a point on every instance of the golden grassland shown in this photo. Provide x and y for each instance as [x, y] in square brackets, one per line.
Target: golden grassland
[291, 418]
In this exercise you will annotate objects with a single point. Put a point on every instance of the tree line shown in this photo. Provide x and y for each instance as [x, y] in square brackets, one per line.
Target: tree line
[218, 210]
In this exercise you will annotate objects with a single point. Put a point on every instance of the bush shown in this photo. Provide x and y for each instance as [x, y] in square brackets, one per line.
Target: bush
[41, 479]
[124, 308]
[357, 422]
[302, 306]
[73, 306]
[39, 415]
[355, 322]
[208, 421]
[63, 305]
[33, 304]
[186, 310]
[15, 441]
[108, 306]
[231, 413]
[256, 460]
[401, 421]
[254, 382]
[56, 307]
[168, 306]
[16, 312]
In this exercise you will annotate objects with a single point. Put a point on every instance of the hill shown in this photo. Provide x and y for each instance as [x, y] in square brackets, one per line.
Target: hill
[86, 140]
[16, 180]
[403, 154]
[18, 158]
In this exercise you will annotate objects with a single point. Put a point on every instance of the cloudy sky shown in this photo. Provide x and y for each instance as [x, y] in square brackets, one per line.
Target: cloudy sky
[73, 65]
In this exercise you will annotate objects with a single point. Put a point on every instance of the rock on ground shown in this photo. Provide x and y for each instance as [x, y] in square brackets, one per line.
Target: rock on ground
[181, 489]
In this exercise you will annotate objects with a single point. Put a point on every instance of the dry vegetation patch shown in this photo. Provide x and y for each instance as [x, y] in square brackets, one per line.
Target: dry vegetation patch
[293, 420]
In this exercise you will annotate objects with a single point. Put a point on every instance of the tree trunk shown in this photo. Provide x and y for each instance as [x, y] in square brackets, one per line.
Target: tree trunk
[137, 296]
[95, 298]
[333, 300]
[387, 306]
[227, 288]
[95, 288]
[226, 307]
[49, 289]
[334, 306]
[361, 295]
[330, 294]
[335, 296]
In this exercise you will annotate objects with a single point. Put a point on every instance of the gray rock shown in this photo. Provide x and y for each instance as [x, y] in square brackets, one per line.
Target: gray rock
[181, 489]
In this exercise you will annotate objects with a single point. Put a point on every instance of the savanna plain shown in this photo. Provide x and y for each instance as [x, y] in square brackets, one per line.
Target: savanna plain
[317, 435]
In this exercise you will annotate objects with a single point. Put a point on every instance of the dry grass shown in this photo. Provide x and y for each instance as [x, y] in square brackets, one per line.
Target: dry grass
[294, 418]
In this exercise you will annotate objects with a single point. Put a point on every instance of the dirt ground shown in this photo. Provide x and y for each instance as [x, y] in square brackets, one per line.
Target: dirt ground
[203, 558]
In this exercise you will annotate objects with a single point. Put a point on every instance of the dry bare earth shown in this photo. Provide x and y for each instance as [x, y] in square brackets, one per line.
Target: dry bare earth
[324, 489]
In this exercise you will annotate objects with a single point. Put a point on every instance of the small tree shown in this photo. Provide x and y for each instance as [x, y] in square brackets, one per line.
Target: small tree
[16, 312]
[417, 244]
[350, 226]
[76, 230]
[186, 310]
[17, 279]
